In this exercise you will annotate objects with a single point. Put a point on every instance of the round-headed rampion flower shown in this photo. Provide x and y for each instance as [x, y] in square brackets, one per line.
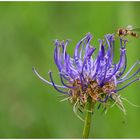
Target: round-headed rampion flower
[88, 75]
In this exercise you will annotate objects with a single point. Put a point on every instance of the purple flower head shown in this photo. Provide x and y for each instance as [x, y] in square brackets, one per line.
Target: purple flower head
[88, 75]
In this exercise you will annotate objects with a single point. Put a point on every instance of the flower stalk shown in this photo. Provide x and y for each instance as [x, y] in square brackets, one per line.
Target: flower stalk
[89, 112]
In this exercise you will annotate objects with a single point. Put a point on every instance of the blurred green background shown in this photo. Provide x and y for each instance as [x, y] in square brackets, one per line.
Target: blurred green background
[31, 109]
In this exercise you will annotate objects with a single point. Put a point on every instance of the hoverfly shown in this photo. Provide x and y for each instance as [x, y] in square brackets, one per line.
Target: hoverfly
[129, 30]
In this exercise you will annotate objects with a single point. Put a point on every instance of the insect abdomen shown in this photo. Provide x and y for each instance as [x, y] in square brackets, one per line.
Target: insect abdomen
[133, 34]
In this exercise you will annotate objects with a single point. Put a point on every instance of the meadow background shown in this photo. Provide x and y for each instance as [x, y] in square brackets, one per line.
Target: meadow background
[31, 109]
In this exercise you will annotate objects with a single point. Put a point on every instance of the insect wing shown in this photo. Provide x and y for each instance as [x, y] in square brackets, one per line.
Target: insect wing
[136, 29]
[131, 28]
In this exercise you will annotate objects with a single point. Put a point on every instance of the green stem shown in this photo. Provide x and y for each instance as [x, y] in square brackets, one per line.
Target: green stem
[89, 109]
